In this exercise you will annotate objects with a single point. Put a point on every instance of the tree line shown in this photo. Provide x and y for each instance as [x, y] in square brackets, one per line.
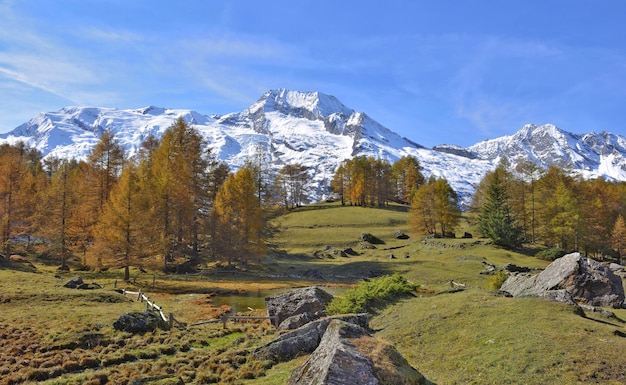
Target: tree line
[553, 208]
[171, 203]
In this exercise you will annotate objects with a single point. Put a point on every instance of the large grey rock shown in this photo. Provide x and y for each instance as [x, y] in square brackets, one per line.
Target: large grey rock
[583, 279]
[140, 322]
[303, 340]
[349, 355]
[311, 301]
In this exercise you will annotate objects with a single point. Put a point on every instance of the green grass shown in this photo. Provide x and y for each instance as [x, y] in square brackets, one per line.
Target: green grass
[475, 336]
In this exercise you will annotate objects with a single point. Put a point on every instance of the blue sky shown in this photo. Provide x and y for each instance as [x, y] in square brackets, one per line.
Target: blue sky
[434, 71]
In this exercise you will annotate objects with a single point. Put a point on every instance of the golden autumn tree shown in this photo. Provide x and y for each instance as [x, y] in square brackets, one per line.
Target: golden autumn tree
[21, 177]
[106, 161]
[434, 208]
[618, 237]
[180, 177]
[238, 220]
[407, 176]
[122, 236]
[58, 203]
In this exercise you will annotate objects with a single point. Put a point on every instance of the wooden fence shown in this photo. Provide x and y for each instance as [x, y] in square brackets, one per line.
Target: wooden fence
[141, 297]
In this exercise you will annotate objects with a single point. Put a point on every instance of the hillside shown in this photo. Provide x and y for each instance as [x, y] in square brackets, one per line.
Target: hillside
[474, 336]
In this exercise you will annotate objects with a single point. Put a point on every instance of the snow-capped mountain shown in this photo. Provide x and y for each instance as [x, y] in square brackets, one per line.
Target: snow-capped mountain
[591, 155]
[318, 131]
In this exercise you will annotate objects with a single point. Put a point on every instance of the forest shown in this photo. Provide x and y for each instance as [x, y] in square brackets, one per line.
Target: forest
[173, 204]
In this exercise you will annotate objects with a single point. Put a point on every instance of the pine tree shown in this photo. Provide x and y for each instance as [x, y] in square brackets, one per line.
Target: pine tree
[495, 220]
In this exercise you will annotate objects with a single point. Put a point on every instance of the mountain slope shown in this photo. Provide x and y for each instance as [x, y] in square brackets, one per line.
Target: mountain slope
[591, 155]
[318, 131]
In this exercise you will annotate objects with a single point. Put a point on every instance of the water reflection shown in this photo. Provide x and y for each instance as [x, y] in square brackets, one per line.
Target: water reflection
[247, 300]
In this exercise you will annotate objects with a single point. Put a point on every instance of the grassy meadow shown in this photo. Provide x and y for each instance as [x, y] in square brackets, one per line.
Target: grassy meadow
[53, 335]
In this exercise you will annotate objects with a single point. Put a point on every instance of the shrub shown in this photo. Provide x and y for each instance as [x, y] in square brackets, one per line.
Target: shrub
[550, 254]
[370, 295]
[496, 280]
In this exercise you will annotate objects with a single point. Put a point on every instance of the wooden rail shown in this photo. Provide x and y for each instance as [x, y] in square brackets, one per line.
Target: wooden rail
[141, 297]
[152, 305]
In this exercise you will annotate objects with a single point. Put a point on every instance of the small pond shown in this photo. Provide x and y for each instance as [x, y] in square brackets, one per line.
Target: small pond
[241, 302]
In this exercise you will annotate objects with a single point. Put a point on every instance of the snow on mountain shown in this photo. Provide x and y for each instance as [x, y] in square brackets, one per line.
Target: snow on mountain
[318, 131]
[591, 155]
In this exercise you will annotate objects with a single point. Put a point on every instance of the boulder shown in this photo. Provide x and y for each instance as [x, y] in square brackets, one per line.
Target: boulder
[349, 355]
[399, 234]
[311, 301]
[140, 322]
[303, 340]
[74, 282]
[583, 279]
[512, 268]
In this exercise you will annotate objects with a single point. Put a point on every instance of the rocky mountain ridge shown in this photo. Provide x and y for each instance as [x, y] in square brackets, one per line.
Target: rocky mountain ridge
[318, 131]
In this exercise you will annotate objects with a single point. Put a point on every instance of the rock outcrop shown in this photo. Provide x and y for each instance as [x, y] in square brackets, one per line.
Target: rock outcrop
[297, 307]
[572, 278]
[349, 355]
[303, 340]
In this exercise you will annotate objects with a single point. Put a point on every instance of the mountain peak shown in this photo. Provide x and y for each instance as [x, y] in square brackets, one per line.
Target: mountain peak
[311, 105]
[318, 131]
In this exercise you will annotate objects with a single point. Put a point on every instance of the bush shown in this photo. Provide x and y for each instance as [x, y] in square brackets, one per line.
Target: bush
[550, 254]
[370, 295]
[496, 280]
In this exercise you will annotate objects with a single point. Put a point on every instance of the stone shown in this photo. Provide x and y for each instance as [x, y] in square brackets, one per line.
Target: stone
[311, 300]
[585, 280]
[512, 268]
[399, 234]
[349, 355]
[303, 340]
[73, 282]
[140, 322]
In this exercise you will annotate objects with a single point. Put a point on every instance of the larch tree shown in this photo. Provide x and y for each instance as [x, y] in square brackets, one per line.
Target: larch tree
[447, 209]
[434, 207]
[339, 182]
[422, 218]
[106, 161]
[407, 176]
[291, 183]
[238, 220]
[561, 219]
[121, 233]
[57, 205]
[21, 178]
[618, 237]
[180, 171]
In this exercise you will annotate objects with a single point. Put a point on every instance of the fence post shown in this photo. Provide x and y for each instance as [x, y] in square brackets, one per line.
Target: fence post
[139, 296]
[115, 284]
[171, 319]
